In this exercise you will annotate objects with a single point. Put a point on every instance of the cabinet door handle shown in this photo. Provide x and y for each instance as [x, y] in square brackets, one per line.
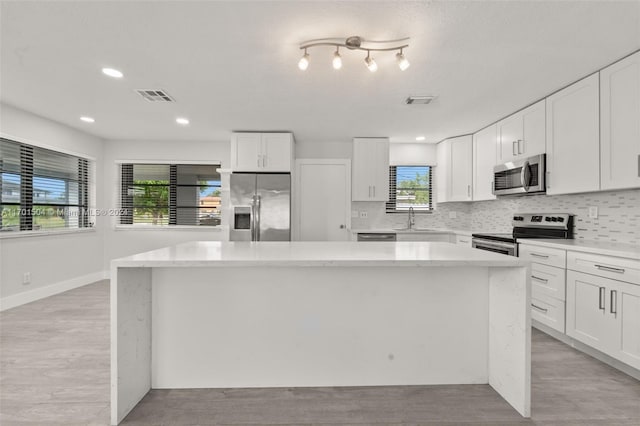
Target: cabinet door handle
[539, 308]
[613, 306]
[520, 143]
[258, 161]
[264, 161]
[638, 165]
[374, 191]
[610, 269]
[539, 279]
[601, 298]
[514, 149]
[544, 256]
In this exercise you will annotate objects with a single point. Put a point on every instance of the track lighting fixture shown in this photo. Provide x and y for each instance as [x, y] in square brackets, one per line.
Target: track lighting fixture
[358, 43]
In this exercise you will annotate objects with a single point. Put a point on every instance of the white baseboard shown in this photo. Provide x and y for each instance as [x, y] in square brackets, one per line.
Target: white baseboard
[42, 292]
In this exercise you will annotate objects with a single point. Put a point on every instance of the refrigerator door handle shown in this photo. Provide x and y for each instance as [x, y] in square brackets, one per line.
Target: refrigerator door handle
[257, 217]
[253, 218]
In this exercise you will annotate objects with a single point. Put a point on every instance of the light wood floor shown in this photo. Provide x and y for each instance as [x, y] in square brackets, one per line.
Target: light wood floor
[54, 370]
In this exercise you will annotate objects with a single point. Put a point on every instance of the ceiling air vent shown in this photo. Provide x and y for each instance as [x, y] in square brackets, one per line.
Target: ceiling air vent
[155, 95]
[419, 100]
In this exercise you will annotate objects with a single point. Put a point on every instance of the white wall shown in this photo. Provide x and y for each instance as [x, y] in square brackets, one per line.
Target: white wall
[56, 262]
[124, 242]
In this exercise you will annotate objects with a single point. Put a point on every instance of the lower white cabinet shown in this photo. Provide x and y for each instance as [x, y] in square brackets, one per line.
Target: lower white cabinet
[548, 311]
[605, 314]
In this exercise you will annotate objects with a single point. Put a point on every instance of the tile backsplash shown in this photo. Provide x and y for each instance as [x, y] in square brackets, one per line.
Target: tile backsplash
[618, 214]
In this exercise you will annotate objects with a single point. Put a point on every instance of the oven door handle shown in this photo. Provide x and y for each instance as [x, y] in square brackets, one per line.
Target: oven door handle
[525, 176]
[493, 244]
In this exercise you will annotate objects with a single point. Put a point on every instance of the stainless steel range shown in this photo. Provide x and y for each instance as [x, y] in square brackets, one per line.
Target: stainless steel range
[526, 225]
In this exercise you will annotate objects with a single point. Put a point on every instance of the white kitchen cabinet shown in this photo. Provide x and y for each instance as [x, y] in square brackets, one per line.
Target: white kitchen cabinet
[261, 152]
[370, 169]
[548, 284]
[463, 240]
[605, 314]
[522, 134]
[620, 124]
[603, 304]
[453, 172]
[573, 138]
[485, 144]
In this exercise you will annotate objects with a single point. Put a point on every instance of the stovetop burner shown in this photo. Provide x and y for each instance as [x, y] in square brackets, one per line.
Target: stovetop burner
[535, 225]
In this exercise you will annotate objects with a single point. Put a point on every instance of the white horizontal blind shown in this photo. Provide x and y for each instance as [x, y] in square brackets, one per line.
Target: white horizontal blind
[170, 194]
[42, 189]
[410, 186]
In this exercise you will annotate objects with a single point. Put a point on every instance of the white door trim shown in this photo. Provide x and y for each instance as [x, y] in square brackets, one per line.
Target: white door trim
[296, 208]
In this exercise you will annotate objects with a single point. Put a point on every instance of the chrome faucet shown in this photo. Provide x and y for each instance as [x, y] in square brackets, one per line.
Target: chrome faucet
[412, 218]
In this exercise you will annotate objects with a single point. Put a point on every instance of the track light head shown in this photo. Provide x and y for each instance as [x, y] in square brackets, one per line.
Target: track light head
[403, 63]
[303, 64]
[371, 63]
[337, 60]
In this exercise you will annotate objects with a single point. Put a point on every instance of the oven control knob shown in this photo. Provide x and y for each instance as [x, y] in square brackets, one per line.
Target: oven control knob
[548, 219]
[554, 219]
[561, 219]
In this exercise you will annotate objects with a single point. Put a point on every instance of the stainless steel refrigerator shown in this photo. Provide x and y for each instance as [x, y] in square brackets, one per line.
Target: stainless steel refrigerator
[260, 206]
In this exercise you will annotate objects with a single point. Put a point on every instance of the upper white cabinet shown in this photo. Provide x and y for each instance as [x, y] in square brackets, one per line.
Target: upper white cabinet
[370, 169]
[522, 134]
[620, 124]
[484, 158]
[573, 138]
[261, 152]
[453, 172]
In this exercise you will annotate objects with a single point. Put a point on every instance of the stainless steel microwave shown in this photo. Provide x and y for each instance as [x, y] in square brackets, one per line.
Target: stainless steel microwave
[520, 177]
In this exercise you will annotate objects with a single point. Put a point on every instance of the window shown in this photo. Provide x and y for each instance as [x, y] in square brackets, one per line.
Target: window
[42, 189]
[170, 194]
[410, 186]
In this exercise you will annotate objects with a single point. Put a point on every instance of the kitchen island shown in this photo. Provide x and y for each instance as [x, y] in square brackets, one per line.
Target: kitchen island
[297, 314]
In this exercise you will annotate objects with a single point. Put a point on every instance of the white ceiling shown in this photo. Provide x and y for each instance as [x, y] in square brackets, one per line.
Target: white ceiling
[233, 65]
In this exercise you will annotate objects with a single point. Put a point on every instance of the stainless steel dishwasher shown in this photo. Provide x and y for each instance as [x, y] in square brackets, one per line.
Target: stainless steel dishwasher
[376, 236]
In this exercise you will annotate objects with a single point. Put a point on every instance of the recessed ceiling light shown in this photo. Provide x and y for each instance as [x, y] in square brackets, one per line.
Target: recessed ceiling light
[112, 72]
[420, 138]
[182, 121]
[88, 119]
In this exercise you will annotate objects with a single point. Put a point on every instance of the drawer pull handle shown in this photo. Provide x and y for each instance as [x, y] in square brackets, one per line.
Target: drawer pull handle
[601, 298]
[540, 255]
[614, 302]
[610, 269]
[539, 279]
[539, 308]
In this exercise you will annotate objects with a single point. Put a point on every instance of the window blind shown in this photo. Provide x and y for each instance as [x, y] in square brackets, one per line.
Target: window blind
[410, 186]
[42, 189]
[170, 194]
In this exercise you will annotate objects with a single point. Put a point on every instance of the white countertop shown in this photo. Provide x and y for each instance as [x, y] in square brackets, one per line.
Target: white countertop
[217, 253]
[597, 247]
[417, 230]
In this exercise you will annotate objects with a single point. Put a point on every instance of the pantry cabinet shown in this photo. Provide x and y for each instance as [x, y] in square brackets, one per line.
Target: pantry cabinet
[370, 169]
[522, 134]
[484, 150]
[573, 138]
[261, 152]
[453, 172]
[620, 124]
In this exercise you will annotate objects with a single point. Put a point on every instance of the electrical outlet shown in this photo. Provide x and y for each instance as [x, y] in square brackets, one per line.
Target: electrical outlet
[26, 278]
[452, 215]
[593, 212]
[354, 213]
[363, 215]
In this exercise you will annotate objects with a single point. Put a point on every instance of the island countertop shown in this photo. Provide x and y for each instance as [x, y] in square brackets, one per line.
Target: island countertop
[299, 253]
